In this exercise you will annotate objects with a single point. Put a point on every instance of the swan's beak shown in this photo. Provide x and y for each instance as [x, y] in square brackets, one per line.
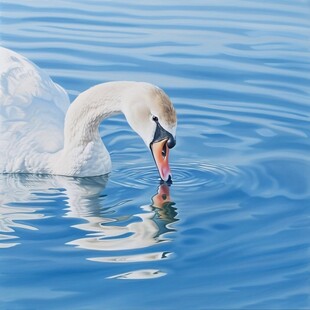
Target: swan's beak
[160, 153]
[162, 142]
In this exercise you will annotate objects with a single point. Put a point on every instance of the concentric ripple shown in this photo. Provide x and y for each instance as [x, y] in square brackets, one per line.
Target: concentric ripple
[196, 174]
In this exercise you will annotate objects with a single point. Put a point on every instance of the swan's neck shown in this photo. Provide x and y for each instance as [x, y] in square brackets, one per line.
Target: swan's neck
[84, 154]
[85, 114]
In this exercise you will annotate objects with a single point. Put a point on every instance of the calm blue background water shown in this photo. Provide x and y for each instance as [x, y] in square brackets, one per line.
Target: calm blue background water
[232, 231]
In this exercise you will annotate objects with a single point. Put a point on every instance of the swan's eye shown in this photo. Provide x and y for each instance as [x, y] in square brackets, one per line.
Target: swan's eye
[155, 118]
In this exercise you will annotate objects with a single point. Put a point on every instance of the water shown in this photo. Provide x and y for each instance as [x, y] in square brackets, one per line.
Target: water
[231, 232]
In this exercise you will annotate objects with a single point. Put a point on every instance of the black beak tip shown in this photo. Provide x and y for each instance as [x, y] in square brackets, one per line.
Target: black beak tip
[168, 182]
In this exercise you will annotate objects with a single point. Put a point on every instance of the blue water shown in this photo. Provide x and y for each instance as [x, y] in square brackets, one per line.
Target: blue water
[232, 231]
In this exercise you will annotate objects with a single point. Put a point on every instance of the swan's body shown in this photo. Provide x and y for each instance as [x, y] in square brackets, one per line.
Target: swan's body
[41, 133]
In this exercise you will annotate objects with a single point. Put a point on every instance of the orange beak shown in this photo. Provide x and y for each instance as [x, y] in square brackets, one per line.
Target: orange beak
[160, 153]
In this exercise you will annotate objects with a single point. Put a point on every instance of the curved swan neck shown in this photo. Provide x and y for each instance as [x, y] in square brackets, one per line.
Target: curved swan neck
[89, 109]
[83, 153]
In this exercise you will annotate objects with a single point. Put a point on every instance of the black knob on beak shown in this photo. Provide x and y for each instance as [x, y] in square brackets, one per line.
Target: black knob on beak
[163, 134]
[171, 142]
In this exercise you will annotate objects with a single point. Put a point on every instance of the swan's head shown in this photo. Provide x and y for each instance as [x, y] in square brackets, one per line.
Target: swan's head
[151, 114]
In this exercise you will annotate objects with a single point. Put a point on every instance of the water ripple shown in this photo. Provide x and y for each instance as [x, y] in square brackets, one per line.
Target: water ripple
[183, 175]
[139, 275]
[145, 257]
[235, 223]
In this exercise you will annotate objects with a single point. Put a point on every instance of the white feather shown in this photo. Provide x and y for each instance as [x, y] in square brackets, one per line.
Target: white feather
[31, 116]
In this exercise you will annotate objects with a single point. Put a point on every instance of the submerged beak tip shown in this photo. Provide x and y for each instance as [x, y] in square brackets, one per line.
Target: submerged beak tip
[168, 180]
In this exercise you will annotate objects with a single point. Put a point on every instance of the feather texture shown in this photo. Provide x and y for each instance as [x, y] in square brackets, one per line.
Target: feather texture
[32, 112]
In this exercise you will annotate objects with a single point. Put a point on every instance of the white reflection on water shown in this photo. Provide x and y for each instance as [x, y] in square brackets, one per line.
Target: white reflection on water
[126, 232]
[132, 258]
[9, 221]
[24, 198]
[16, 195]
[139, 275]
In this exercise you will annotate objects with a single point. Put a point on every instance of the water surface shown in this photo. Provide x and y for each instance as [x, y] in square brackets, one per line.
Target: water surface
[232, 230]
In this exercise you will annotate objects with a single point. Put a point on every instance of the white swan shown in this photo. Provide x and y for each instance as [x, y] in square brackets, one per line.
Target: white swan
[41, 133]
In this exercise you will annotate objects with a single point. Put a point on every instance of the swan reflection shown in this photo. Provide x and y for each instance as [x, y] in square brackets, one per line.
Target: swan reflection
[24, 199]
[127, 232]
[16, 193]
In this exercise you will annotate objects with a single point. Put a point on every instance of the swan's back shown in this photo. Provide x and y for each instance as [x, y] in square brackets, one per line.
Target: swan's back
[32, 111]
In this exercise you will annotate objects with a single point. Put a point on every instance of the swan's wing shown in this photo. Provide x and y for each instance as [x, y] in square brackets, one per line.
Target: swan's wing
[32, 111]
